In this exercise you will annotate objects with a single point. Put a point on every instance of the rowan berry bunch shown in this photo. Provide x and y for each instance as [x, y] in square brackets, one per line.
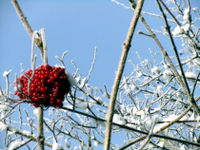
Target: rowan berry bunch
[47, 86]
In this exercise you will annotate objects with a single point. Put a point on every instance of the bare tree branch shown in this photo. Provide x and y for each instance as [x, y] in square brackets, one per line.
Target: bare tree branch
[26, 24]
[126, 47]
[185, 84]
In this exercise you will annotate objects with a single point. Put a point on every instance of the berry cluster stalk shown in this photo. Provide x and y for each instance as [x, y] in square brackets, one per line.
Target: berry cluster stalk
[41, 43]
[40, 129]
[40, 109]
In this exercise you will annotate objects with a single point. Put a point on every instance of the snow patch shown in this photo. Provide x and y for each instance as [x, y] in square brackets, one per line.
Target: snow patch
[186, 27]
[167, 74]
[155, 70]
[96, 143]
[14, 145]
[190, 75]
[2, 126]
[6, 73]
[35, 111]
[177, 30]
[83, 82]
[57, 146]
[186, 15]
[118, 119]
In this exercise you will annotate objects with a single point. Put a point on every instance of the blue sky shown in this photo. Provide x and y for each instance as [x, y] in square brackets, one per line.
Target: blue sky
[76, 26]
[70, 25]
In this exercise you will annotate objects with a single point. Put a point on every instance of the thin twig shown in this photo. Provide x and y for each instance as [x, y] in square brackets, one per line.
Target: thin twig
[163, 128]
[185, 84]
[41, 137]
[179, 24]
[6, 75]
[92, 64]
[91, 68]
[165, 54]
[126, 47]
[135, 130]
[52, 130]
[133, 142]
[29, 136]
[22, 17]
[149, 136]
[195, 83]
[177, 75]
[44, 50]
[24, 143]
[26, 24]
[145, 143]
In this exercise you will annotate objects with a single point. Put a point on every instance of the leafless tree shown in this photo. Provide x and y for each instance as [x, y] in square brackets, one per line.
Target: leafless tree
[156, 106]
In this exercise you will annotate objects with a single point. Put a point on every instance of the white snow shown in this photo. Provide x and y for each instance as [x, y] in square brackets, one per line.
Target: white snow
[195, 8]
[138, 74]
[177, 30]
[186, 27]
[161, 144]
[170, 117]
[127, 89]
[186, 15]
[35, 111]
[14, 145]
[2, 126]
[83, 105]
[159, 89]
[28, 133]
[183, 147]
[190, 75]
[139, 112]
[78, 79]
[185, 24]
[167, 74]
[83, 82]
[56, 146]
[69, 106]
[158, 127]
[4, 107]
[96, 143]
[155, 70]
[6, 73]
[118, 119]
[133, 87]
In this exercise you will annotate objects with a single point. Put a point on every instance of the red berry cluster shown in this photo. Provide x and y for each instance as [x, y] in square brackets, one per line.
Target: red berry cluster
[47, 87]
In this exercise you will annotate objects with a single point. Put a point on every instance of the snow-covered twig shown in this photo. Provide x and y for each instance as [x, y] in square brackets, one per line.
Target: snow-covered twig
[183, 83]
[196, 45]
[6, 75]
[62, 58]
[92, 65]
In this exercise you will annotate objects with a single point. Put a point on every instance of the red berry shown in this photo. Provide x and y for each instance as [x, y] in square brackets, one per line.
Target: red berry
[48, 86]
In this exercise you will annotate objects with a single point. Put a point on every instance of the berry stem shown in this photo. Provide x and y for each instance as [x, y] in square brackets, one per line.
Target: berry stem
[44, 52]
[40, 129]
[40, 109]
